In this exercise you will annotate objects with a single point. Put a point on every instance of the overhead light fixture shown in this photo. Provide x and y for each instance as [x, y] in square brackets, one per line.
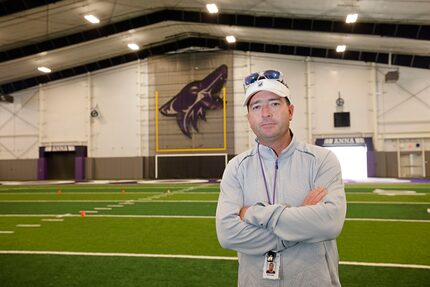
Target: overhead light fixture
[212, 8]
[351, 18]
[230, 39]
[340, 48]
[44, 69]
[92, 19]
[133, 46]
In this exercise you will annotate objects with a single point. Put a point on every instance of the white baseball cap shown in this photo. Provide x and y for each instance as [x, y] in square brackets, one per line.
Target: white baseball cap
[271, 85]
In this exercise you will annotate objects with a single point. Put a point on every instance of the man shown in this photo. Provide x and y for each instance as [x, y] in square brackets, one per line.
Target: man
[282, 201]
[271, 268]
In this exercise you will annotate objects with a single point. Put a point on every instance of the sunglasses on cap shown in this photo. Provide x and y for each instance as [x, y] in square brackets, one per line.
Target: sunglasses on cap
[268, 74]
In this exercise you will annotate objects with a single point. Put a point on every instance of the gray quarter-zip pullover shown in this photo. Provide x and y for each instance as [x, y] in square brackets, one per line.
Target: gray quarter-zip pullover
[303, 236]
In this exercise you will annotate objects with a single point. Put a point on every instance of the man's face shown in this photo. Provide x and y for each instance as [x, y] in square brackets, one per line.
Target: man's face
[269, 117]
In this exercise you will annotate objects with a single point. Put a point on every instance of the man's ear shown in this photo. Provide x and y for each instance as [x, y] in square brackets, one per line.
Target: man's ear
[291, 110]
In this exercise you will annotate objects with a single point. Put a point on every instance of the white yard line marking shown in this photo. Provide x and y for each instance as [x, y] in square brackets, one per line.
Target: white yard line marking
[126, 202]
[115, 205]
[199, 192]
[215, 201]
[110, 215]
[149, 198]
[168, 193]
[6, 232]
[193, 217]
[198, 257]
[378, 195]
[386, 202]
[395, 192]
[192, 201]
[89, 211]
[102, 208]
[359, 192]
[376, 264]
[389, 220]
[76, 193]
[53, 219]
[28, 225]
[33, 215]
[177, 201]
[155, 216]
[41, 201]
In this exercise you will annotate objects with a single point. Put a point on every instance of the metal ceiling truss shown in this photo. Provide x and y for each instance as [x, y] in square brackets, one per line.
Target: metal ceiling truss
[420, 32]
[211, 43]
[8, 7]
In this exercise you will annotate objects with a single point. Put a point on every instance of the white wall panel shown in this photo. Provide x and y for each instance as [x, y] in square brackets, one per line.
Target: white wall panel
[122, 96]
[144, 119]
[352, 81]
[242, 132]
[19, 126]
[116, 132]
[65, 112]
[404, 106]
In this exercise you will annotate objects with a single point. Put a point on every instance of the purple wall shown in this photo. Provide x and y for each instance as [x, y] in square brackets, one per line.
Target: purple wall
[42, 169]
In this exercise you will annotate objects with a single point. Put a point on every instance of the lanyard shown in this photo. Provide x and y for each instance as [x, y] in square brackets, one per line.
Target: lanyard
[264, 177]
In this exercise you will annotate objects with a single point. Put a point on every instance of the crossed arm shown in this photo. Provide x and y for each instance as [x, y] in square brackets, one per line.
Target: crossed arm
[256, 229]
[315, 196]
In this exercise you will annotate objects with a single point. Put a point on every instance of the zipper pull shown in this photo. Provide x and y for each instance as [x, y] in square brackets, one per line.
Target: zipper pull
[276, 164]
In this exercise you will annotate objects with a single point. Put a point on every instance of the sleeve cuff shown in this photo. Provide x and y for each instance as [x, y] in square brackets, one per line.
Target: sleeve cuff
[264, 215]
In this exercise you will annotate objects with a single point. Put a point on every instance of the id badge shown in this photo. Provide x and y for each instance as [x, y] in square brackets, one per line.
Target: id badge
[272, 262]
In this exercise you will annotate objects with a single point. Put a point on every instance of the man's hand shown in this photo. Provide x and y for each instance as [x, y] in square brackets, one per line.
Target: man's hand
[242, 212]
[315, 196]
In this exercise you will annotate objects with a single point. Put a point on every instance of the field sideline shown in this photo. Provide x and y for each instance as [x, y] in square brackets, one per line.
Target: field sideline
[164, 235]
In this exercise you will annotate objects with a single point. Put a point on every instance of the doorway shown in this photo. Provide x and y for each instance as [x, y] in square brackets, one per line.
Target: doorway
[61, 165]
[353, 160]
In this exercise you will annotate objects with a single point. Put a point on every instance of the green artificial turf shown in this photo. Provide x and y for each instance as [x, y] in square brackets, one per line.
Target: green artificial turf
[385, 198]
[393, 211]
[108, 196]
[359, 276]
[361, 241]
[49, 207]
[78, 271]
[110, 187]
[213, 196]
[139, 208]
[388, 242]
[388, 211]
[418, 187]
[129, 235]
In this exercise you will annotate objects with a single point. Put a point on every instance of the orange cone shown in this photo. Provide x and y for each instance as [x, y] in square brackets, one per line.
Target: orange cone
[82, 213]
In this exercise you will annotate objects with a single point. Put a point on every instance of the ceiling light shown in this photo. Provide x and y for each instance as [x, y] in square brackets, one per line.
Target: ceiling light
[230, 39]
[351, 18]
[340, 48]
[92, 19]
[212, 8]
[44, 69]
[133, 46]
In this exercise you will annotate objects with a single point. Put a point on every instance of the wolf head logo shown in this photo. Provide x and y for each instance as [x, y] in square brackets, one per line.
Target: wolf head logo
[193, 101]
